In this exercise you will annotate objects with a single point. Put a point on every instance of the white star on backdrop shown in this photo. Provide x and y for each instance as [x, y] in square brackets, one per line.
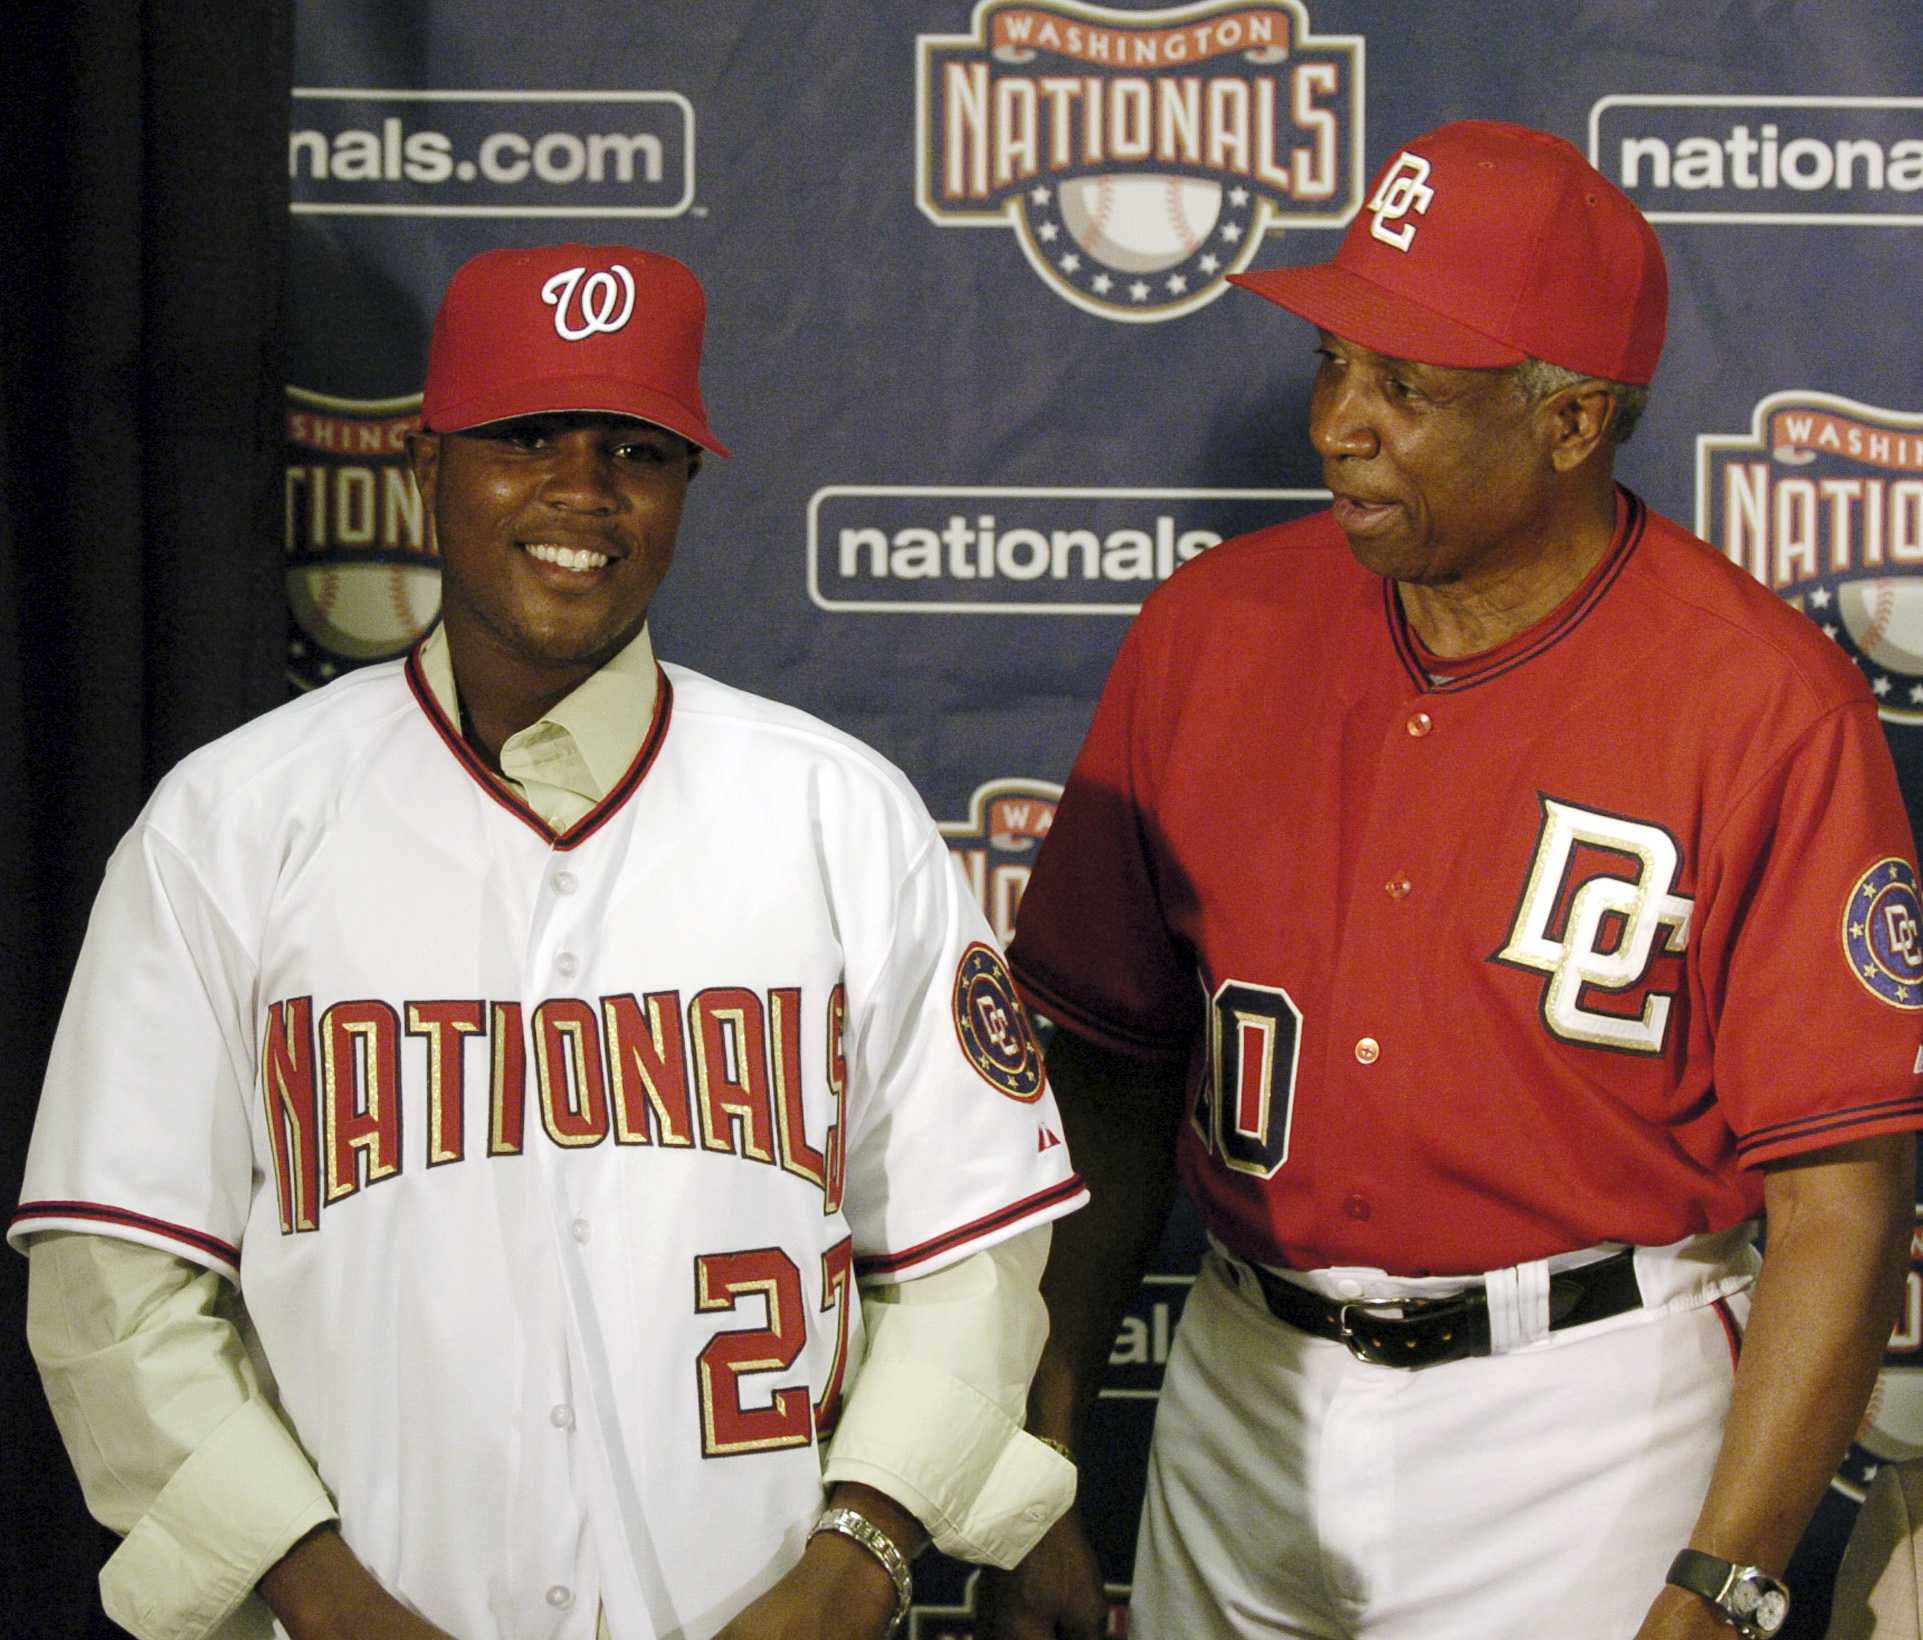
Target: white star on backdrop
[1208, 264]
[1101, 284]
[1038, 195]
[1046, 233]
[1138, 292]
[1231, 231]
[1177, 284]
[1820, 598]
[1880, 687]
[1238, 196]
[1069, 263]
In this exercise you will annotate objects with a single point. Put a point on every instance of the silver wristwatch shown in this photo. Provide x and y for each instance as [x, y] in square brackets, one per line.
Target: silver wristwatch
[1751, 1601]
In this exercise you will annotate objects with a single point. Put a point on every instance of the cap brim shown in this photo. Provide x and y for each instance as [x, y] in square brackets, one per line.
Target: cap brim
[1361, 311]
[591, 394]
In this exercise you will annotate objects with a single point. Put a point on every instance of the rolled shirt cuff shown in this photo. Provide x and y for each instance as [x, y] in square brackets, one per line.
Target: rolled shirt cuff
[984, 1488]
[188, 1568]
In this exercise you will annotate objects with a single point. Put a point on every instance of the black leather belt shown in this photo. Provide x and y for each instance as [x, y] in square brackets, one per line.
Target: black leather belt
[1425, 1332]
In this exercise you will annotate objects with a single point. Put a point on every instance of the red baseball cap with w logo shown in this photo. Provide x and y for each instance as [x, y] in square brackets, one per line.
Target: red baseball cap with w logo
[1482, 243]
[569, 327]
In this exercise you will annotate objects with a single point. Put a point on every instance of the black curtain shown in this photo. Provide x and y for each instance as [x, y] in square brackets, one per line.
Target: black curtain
[143, 164]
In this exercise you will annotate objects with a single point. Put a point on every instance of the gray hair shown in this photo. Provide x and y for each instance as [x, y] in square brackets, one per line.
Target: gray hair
[1537, 380]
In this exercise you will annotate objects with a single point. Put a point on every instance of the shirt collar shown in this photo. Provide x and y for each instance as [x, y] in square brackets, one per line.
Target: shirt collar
[591, 736]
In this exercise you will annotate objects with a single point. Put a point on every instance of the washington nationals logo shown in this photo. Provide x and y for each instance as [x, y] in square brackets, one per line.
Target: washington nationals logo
[599, 298]
[1139, 157]
[1594, 931]
[993, 1028]
[1404, 188]
[1883, 934]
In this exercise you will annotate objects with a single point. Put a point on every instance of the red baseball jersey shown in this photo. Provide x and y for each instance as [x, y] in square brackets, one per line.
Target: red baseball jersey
[1475, 962]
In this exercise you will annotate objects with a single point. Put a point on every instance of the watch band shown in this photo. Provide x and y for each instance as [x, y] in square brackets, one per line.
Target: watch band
[1750, 1600]
[850, 1523]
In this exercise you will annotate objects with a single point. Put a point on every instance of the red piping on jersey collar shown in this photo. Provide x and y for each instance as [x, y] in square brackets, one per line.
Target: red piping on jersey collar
[1558, 626]
[596, 817]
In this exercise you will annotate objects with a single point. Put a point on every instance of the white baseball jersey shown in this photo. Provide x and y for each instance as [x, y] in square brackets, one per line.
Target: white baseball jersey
[547, 1165]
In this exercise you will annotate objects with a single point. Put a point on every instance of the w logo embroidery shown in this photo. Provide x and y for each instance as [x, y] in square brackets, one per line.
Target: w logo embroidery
[1599, 907]
[607, 301]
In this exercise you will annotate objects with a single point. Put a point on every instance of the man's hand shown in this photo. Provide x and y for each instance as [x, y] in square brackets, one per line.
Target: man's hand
[1055, 1594]
[1119, 1116]
[837, 1590]
[320, 1591]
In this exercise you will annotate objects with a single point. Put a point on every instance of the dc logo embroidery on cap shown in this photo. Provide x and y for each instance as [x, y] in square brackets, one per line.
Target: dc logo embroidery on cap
[993, 1028]
[1881, 934]
[598, 298]
[1401, 191]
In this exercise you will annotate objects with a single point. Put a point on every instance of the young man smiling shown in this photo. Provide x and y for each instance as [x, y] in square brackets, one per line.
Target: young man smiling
[1494, 901]
[487, 1081]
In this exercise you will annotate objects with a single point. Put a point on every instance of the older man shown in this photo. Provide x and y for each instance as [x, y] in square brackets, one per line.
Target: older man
[1493, 902]
[487, 1080]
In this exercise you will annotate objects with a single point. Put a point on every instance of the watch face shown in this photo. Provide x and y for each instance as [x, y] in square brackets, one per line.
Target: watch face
[1759, 1602]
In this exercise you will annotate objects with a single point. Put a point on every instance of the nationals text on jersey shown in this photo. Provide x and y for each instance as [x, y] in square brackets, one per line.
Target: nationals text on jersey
[729, 1081]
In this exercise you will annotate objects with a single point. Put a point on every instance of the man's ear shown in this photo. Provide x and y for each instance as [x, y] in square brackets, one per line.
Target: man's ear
[1581, 417]
[694, 458]
[424, 456]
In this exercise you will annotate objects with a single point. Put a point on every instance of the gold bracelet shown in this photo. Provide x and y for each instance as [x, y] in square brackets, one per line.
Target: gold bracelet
[850, 1523]
[1056, 1446]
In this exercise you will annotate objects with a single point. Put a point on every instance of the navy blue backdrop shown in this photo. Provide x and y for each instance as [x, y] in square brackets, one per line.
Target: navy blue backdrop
[971, 346]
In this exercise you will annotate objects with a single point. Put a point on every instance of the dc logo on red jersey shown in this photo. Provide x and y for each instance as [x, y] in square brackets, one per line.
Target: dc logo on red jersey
[993, 1027]
[1883, 934]
[1597, 934]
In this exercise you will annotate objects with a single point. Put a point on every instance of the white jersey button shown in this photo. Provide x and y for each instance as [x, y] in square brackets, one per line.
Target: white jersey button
[1420, 723]
[1368, 1050]
[579, 1230]
[562, 1417]
[560, 1597]
[567, 964]
[1348, 1287]
[564, 882]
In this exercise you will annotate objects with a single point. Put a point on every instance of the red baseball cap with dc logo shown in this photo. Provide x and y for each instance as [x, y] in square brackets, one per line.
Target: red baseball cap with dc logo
[1482, 243]
[569, 327]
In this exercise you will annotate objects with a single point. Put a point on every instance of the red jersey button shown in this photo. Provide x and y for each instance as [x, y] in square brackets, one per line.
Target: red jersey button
[1397, 887]
[1420, 723]
[1357, 1207]
[1368, 1050]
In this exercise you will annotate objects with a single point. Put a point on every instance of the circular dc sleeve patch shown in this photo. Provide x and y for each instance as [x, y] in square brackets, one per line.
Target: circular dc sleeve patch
[993, 1027]
[1883, 934]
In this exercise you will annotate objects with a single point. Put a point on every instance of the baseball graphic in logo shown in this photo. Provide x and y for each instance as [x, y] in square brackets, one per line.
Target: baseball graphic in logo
[1822, 501]
[1882, 935]
[363, 580]
[1140, 158]
[993, 1027]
